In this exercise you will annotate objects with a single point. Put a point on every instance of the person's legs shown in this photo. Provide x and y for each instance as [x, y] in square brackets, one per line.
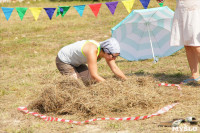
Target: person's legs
[83, 72]
[66, 69]
[198, 52]
[193, 57]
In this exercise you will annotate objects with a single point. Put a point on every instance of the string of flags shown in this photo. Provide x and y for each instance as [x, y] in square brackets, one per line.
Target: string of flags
[62, 10]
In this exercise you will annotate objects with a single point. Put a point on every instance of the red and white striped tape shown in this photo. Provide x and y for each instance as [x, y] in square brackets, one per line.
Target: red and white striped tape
[49, 118]
[165, 84]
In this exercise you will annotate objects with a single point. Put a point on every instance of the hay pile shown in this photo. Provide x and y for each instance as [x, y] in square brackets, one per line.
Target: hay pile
[109, 98]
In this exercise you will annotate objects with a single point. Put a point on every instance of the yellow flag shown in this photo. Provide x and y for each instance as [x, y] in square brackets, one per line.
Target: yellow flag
[36, 12]
[128, 4]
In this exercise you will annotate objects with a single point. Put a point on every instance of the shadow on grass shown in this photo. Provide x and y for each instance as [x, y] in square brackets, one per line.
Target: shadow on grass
[175, 78]
[124, 60]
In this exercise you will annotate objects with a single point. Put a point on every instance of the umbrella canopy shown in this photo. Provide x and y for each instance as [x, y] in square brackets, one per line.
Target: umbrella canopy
[145, 34]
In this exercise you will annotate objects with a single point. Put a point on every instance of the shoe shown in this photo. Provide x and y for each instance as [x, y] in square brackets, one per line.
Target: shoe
[177, 121]
[190, 81]
[192, 120]
[183, 120]
[173, 123]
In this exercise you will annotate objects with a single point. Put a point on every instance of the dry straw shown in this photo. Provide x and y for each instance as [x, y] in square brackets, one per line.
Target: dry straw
[112, 98]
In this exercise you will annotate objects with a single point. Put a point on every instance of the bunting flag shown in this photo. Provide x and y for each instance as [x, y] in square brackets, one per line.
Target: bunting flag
[36, 12]
[80, 9]
[95, 8]
[50, 12]
[160, 2]
[145, 3]
[62, 10]
[21, 12]
[128, 4]
[112, 6]
[7, 12]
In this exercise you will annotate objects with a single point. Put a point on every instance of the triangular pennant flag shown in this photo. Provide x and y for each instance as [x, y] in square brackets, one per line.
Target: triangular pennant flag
[128, 4]
[80, 9]
[21, 11]
[50, 12]
[36, 12]
[7, 12]
[112, 6]
[62, 10]
[95, 8]
[160, 2]
[145, 3]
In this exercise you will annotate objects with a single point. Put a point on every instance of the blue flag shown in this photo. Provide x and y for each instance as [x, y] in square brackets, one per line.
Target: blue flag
[7, 12]
[50, 12]
[80, 9]
[145, 3]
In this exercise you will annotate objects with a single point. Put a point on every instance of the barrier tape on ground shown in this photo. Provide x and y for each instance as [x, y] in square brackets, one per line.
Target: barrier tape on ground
[49, 118]
[165, 84]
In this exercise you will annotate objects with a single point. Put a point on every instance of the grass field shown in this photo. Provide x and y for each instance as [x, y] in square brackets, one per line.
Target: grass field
[28, 50]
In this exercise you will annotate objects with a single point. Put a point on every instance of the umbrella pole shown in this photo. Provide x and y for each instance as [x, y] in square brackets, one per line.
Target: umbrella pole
[151, 44]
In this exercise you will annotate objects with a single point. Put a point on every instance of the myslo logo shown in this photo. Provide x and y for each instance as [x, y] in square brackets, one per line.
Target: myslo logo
[184, 129]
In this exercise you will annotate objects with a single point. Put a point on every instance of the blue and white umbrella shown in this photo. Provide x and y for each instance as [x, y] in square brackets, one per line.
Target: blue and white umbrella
[145, 34]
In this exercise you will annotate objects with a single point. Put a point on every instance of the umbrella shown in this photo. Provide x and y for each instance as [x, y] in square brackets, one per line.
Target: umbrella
[145, 34]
